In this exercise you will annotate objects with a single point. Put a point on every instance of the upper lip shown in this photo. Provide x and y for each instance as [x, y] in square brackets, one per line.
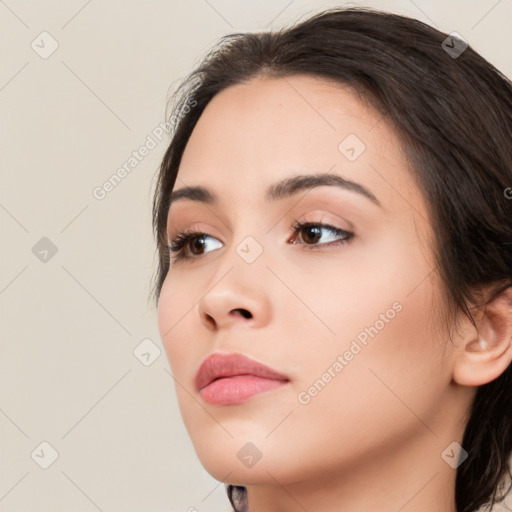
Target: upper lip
[217, 366]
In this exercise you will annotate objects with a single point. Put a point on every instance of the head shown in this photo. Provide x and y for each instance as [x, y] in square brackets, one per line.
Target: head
[407, 287]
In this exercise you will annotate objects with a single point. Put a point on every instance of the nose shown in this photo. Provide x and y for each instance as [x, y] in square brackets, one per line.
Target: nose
[239, 297]
[214, 322]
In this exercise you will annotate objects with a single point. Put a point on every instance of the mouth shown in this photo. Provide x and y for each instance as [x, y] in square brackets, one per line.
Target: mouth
[228, 379]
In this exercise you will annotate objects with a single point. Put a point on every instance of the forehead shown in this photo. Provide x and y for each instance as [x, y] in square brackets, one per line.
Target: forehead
[253, 134]
[287, 118]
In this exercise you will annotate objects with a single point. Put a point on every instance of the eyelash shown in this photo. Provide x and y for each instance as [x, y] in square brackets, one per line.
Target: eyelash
[178, 244]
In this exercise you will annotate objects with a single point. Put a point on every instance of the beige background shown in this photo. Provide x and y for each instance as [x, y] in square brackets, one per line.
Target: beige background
[70, 324]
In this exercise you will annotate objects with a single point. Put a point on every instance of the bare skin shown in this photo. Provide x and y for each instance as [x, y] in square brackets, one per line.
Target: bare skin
[373, 435]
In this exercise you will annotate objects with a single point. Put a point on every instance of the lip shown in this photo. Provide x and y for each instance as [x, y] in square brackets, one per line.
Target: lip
[224, 379]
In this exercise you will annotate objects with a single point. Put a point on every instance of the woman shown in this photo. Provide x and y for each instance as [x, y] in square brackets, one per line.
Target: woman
[334, 227]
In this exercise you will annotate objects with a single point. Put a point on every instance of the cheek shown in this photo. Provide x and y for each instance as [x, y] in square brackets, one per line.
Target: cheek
[174, 306]
[392, 361]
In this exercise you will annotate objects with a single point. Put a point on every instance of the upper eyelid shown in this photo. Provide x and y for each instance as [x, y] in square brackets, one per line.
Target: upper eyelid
[313, 204]
[291, 218]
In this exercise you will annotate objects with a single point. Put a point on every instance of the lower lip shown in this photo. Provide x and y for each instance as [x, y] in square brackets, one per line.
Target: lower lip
[237, 389]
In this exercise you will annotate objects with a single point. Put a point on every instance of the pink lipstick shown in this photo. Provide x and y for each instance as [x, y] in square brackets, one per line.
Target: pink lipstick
[228, 379]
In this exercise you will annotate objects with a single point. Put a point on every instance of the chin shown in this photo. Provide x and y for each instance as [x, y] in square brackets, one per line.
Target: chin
[239, 461]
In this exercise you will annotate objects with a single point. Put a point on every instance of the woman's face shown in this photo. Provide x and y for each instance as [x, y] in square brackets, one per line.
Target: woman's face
[350, 321]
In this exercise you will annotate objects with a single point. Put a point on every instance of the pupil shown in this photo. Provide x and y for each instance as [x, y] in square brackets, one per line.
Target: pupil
[314, 231]
[198, 243]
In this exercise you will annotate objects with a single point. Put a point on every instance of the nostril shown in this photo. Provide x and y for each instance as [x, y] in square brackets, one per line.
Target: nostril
[243, 312]
[210, 319]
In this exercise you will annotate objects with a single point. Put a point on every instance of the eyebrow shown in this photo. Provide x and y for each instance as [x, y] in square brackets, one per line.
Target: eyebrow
[283, 189]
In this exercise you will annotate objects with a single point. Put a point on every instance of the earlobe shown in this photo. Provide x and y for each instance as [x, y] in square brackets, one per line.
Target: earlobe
[484, 355]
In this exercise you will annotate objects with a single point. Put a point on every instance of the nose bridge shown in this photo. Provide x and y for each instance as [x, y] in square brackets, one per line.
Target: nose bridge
[248, 236]
[239, 288]
[243, 264]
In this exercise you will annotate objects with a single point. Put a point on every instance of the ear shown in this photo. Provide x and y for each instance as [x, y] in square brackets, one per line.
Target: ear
[483, 355]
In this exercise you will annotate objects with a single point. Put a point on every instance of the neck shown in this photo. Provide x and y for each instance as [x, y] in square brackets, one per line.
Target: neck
[413, 478]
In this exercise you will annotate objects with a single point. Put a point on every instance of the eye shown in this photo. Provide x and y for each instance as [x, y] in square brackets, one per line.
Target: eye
[313, 232]
[187, 239]
[195, 241]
